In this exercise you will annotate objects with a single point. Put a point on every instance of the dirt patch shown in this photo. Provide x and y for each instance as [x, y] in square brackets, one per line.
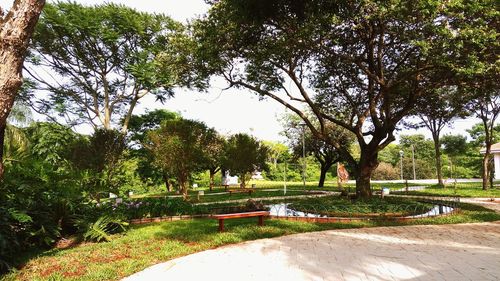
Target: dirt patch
[49, 271]
[66, 243]
[77, 271]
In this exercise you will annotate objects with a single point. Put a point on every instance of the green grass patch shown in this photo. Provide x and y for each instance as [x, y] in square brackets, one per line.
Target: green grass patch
[146, 245]
[335, 206]
[461, 189]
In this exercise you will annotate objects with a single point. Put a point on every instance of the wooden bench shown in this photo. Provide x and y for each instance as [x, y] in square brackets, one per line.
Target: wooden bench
[222, 217]
[241, 190]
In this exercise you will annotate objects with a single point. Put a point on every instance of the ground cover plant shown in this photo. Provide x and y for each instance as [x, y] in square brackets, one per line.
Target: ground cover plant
[145, 245]
[334, 206]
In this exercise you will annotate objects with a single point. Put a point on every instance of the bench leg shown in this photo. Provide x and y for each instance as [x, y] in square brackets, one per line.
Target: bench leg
[221, 225]
[261, 220]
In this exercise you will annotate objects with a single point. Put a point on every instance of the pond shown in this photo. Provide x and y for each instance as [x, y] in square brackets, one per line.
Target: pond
[283, 210]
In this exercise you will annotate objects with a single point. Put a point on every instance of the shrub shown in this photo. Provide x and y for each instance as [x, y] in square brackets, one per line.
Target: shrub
[101, 229]
[385, 171]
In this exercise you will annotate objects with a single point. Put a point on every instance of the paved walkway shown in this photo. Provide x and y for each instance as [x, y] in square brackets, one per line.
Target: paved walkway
[439, 252]
[485, 202]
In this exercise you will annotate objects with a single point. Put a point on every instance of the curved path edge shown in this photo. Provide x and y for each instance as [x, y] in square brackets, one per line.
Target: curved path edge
[427, 252]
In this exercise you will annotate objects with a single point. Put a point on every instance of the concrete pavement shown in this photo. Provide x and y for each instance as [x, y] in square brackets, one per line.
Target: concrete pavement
[435, 252]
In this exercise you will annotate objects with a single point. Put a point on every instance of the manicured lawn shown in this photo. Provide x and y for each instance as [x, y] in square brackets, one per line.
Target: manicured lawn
[257, 194]
[334, 206]
[276, 187]
[462, 189]
[145, 245]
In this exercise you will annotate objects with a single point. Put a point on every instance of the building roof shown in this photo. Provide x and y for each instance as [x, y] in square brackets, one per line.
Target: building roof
[495, 148]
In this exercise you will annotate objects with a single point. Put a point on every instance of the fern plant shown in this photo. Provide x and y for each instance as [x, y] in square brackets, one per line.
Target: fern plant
[101, 229]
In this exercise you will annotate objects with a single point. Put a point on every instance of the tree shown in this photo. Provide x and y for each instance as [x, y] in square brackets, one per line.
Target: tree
[486, 134]
[477, 67]
[462, 156]
[276, 151]
[361, 65]
[51, 142]
[98, 160]
[424, 148]
[16, 28]
[101, 60]
[243, 155]
[324, 152]
[487, 108]
[214, 152]
[139, 126]
[178, 148]
[437, 110]
[454, 145]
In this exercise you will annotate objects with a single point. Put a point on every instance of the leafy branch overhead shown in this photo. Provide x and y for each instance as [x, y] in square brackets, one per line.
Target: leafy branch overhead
[96, 63]
[360, 65]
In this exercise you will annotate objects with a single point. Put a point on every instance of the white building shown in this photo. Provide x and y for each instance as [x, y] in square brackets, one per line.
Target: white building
[495, 151]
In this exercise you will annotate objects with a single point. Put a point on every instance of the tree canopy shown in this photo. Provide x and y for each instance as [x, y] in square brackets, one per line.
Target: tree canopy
[95, 63]
[178, 147]
[244, 155]
[361, 65]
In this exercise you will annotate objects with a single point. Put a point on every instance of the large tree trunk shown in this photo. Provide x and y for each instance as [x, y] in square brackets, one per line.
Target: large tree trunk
[166, 181]
[16, 29]
[212, 172]
[2, 138]
[437, 150]
[243, 182]
[486, 166]
[323, 170]
[367, 164]
[212, 176]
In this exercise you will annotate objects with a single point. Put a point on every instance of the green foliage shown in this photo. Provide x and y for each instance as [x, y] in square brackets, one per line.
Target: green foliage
[244, 155]
[278, 152]
[98, 160]
[101, 229]
[424, 169]
[454, 145]
[178, 147]
[365, 74]
[50, 142]
[478, 135]
[37, 207]
[326, 153]
[424, 148]
[390, 154]
[138, 127]
[151, 120]
[386, 171]
[103, 60]
[16, 146]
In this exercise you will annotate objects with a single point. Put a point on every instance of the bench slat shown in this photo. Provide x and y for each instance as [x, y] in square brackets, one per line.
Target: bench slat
[241, 215]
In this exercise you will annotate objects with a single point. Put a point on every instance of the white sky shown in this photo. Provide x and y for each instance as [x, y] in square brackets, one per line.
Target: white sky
[229, 111]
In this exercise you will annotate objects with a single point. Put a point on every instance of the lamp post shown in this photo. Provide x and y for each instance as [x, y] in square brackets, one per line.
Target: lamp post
[401, 153]
[303, 126]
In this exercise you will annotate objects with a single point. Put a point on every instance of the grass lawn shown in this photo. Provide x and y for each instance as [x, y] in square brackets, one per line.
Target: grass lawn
[260, 191]
[334, 206]
[257, 194]
[146, 245]
[462, 189]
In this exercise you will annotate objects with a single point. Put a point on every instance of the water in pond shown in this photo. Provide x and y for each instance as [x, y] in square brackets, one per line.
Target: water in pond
[434, 212]
[282, 210]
